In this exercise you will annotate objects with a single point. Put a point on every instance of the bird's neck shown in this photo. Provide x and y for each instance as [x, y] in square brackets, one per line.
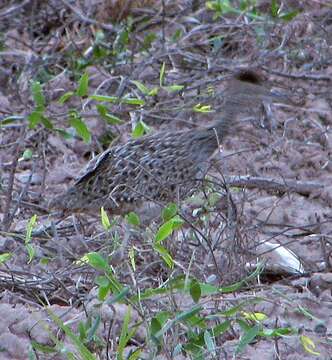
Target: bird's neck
[222, 127]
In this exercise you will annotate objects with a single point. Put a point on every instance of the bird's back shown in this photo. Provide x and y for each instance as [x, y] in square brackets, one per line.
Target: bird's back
[157, 167]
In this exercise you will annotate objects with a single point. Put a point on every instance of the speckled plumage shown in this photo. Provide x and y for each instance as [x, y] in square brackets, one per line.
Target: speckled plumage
[159, 167]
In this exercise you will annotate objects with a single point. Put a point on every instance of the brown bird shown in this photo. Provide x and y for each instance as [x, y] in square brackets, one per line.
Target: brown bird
[160, 167]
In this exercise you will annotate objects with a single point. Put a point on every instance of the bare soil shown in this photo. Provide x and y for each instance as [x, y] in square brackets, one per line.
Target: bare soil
[54, 43]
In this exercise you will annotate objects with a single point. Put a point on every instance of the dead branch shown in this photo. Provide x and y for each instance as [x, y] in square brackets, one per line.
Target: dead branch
[282, 185]
[13, 9]
[7, 218]
[86, 19]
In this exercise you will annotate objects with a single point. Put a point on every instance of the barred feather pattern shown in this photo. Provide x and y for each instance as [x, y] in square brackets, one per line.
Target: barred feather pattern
[160, 167]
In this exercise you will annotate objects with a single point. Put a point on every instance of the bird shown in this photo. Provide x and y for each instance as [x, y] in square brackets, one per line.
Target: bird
[161, 167]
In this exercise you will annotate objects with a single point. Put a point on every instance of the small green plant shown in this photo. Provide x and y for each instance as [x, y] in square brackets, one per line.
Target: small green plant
[140, 129]
[249, 9]
[277, 13]
[198, 331]
[28, 236]
[172, 222]
[88, 332]
[4, 257]
[308, 345]
[125, 336]
[107, 283]
[105, 221]
[153, 91]
[38, 116]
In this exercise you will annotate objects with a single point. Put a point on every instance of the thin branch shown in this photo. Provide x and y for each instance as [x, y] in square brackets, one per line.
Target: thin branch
[6, 222]
[283, 186]
[86, 19]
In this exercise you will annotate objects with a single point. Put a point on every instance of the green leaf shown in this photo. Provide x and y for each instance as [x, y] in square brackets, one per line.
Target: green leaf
[85, 354]
[141, 87]
[103, 292]
[177, 35]
[46, 122]
[94, 327]
[306, 312]
[121, 40]
[30, 226]
[95, 260]
[162, 74]
[105, 220]
[135, 355]
[83, 85]
[38, 96]
[111, 119]
[140, 129]
[119, 296]
[173, 88]
[166, 256]
[148, 40]
[102, 281]
[210, 5]
[182, 316]
[132, 101]
[80, 128]
[31, 252]
[232, 310]
[35, 118]
[125, 335]
[107, 282]
[163, 316]
[27, 154]
[200, 108]
[278, 332]
[195, 290]
[133, 219]
[289, 16]
[82, 330]
[131, 255]
[169, 211]
[11, 119]
[167, 228]
[254, 316]
[45, 349]
[155, 326]
[308, 345]
[186, 315]
[111, 99]
[154, 91]
[221, 328]
[64, 134]
[274, 8]
[65, 97]
[164, 231]
[116, 100]
[247, 338]
[115, 285]
[209, 342]
[220, 7]
[241, 283]
[45, 261]
[244, 325]
[4, 257]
